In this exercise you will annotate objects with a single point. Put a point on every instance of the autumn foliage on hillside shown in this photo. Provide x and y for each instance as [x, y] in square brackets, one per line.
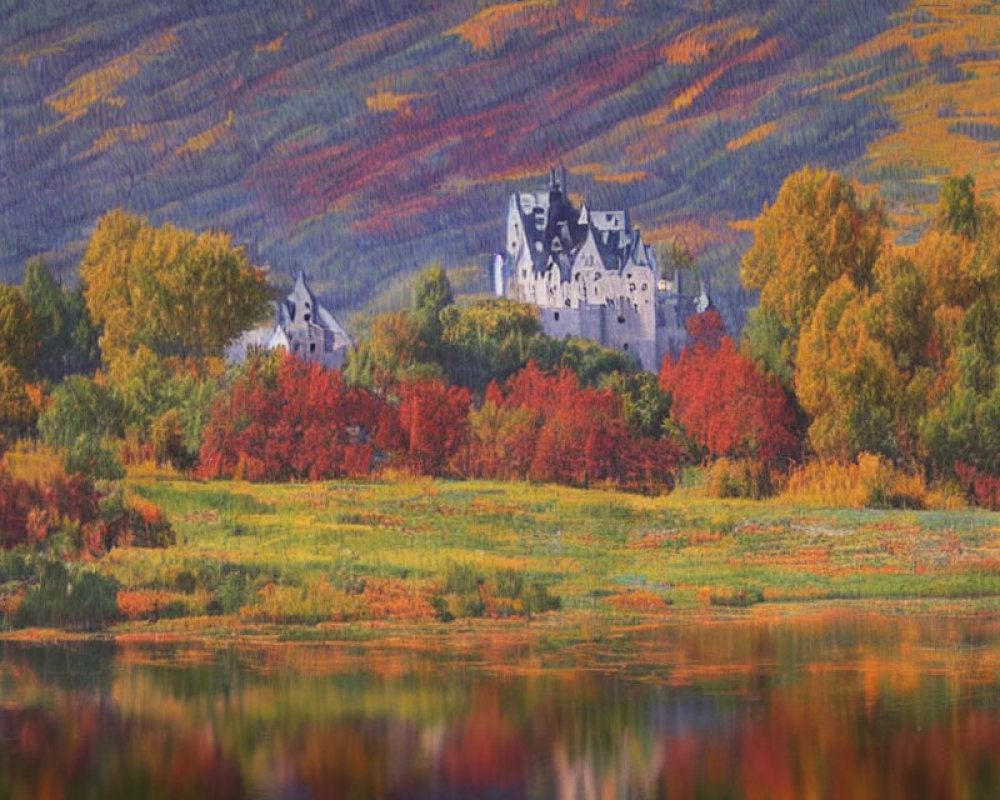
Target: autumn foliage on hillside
[725, 401]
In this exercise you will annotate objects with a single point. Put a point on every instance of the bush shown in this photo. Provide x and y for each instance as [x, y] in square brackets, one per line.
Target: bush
[870, 482]
[509, 583]
[234, 593]
[740, 597]
[462, 579]
[86, 600]
[538, 600]
[739, 478]
[91, 456]
[134, 522]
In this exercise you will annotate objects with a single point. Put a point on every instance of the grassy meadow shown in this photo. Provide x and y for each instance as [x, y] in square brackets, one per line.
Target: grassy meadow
[343, 560]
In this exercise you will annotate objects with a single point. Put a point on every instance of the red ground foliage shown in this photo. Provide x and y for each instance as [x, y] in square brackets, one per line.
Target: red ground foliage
[31, 511]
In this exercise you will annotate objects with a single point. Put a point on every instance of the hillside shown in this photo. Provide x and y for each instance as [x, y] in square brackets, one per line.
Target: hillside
[362, 140]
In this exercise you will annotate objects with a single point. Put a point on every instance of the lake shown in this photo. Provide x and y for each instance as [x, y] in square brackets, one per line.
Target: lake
[838, 704]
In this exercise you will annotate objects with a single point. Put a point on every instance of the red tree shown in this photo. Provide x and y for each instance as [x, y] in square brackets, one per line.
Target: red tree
[301, 422]
[546, 427]
[433, 418]
[725, 401]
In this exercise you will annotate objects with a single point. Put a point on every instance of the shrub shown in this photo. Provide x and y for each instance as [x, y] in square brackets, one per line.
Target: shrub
[538, 600]
[462, 579]
[739, 478]
[85, 600]
[509, 583]
[870, 482]
[91, 456]
[740, 597]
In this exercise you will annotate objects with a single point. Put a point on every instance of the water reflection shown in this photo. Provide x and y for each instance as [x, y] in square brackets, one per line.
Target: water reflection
[844, 705]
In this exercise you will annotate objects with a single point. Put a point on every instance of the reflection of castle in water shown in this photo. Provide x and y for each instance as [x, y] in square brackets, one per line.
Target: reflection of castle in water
[591, 275]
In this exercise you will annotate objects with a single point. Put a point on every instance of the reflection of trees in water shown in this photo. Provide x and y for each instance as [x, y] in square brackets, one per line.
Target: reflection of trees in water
[858, 707]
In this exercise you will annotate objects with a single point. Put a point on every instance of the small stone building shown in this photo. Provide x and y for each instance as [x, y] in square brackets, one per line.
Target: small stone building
[591, 275]
[302, 326]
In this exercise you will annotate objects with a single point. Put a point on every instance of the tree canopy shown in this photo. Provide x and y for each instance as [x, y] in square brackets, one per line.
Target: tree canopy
[816, 231]
[176, 292]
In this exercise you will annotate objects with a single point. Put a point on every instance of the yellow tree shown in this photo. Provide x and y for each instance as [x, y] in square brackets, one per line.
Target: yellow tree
[816, 231]
[175, 292]
[18, 336]
[846, 377]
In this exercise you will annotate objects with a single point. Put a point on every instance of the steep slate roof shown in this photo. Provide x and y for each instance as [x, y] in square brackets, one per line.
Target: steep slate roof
[565, 229]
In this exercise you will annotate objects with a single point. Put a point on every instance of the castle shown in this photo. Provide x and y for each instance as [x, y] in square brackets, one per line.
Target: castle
[302, 326]
[591, 275]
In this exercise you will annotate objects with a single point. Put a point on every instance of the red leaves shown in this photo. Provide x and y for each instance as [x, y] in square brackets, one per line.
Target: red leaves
[433, 418]
[725, 401]
[304, 423]
[981, 488]
[297, 424]
[546, 427]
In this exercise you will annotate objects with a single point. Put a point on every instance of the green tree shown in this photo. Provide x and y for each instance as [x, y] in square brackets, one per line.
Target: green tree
[18, 334]
[957, 211]
[82, 407]
[45, 298]
[67, 336]
[645, 406]
[489, 340]
[433, 295]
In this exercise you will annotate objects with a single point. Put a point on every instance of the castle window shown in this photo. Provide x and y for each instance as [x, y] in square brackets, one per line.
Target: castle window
[556, 316]
[645, 286]
[312, 347]
[567, 302]
[576, 277]
[629, 276]
[625, 347]
[306, 317]
[621, 319]
[631, 287]
[295, 347]
[597, 276]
